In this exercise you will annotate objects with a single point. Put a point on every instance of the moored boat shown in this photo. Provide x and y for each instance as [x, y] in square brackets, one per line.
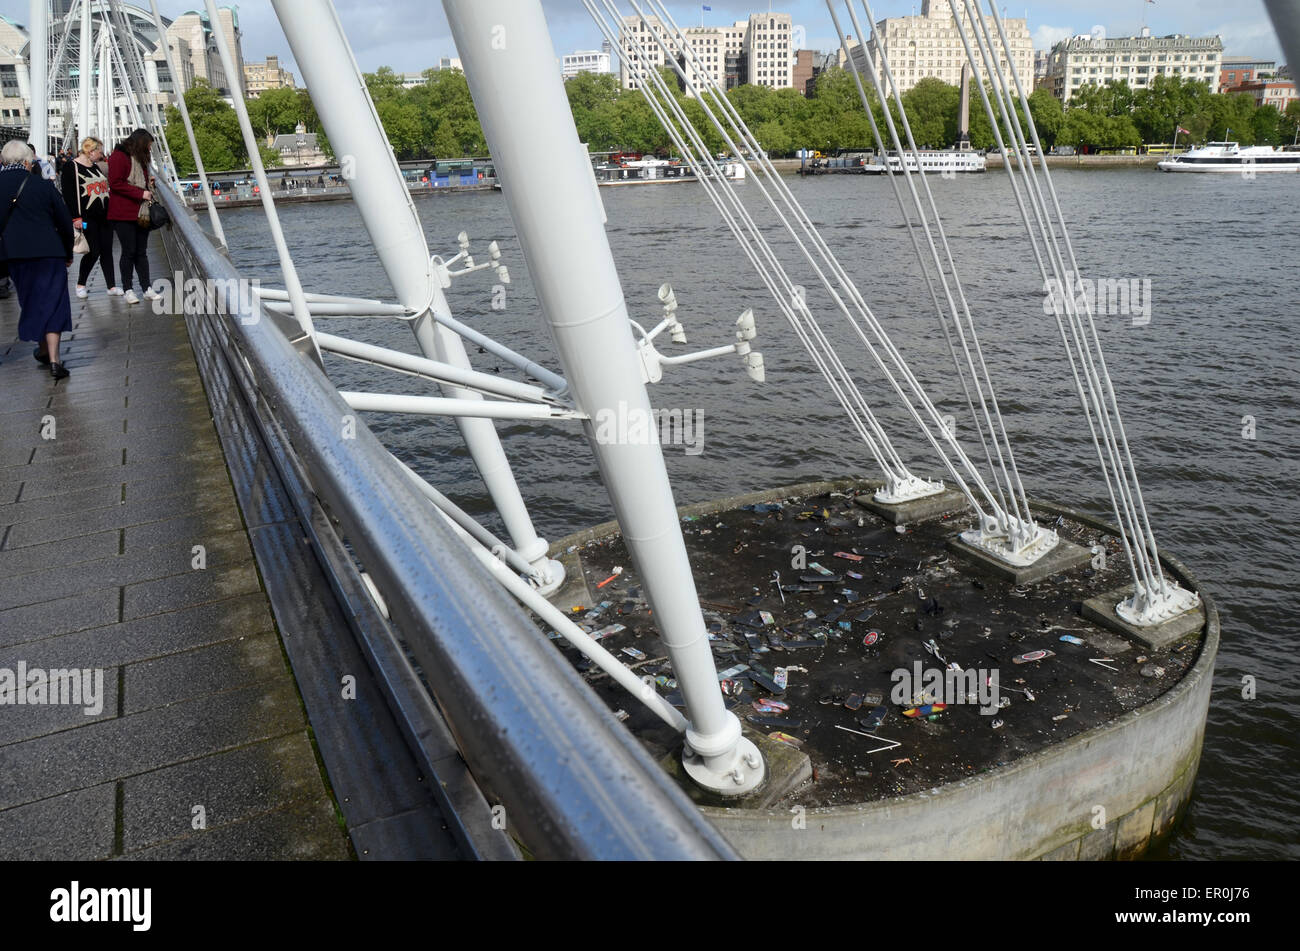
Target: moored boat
[938, 161]
[1231, 157]
[634, 169]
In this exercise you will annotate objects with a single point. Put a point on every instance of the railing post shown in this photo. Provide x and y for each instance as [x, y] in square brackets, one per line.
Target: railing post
[339, 92]
[510, 63]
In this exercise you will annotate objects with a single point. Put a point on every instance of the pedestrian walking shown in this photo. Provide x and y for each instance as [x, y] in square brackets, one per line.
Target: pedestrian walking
[129, 198]
[85, 189]
[36, 245]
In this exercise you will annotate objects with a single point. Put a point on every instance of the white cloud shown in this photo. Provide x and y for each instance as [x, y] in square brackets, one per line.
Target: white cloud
[1045, 37]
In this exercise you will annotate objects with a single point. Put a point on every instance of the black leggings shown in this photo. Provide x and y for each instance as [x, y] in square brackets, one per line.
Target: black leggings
[134, 240]
[100, 236]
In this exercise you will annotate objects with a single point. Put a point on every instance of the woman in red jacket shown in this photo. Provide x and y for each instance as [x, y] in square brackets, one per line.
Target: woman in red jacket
[128, 198]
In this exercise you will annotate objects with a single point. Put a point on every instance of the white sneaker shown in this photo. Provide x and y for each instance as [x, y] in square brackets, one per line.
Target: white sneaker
[151, 294]
[115, 292]
[131, 298]
[82, 293]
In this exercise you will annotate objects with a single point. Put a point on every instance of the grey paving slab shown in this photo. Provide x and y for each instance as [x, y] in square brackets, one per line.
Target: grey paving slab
[124, 746]
[299, 831]
[157, 635]
[97, 695]
[228, 665]
[58, 554]
[75, 826]
[230, 787]
[193, 528]
[164, 595]
[76, 612]
[228, 549]
[60, 480]
[95, 497]
[177, 437]
[121, 516]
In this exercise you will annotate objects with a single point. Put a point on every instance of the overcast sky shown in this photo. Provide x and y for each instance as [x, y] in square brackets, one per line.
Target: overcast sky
[410, 35]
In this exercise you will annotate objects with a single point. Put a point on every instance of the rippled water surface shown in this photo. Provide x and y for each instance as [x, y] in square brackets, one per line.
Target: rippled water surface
[1221, 255]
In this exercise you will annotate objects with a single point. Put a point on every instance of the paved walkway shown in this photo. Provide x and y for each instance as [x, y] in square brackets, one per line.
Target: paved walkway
[108, 482]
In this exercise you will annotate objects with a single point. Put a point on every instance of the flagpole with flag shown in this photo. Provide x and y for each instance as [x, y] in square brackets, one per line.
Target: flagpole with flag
[703, 9]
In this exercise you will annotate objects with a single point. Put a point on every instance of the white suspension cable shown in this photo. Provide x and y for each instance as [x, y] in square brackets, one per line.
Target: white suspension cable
[882, 339]
[911, 232]
[787, 296]
[736, 122]
[1021, 525]
[982, 378]
[1123, 503]
[1131, 469]
[217, 229]
[287, 268]
[1155, 598]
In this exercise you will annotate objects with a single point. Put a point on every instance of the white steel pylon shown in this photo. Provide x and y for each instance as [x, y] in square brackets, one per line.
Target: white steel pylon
[510, 65]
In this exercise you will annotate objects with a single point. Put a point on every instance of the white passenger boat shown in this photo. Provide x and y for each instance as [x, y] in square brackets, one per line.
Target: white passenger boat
[1231, 157]
[937, 161]
[629, 170]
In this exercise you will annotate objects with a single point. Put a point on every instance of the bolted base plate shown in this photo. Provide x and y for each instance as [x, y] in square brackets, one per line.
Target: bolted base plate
[910, 490]
[1102, 610]
[725, 784]
[1065, 556]
[945, 502]
[558, 577]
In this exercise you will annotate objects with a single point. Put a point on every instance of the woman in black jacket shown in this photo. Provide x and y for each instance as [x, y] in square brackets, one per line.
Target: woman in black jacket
[85, 189]
[36, 241]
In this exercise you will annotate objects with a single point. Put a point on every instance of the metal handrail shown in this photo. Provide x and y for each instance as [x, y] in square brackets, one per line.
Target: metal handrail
[573, 781]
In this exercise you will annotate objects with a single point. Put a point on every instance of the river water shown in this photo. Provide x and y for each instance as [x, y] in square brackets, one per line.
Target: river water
[1220, 254]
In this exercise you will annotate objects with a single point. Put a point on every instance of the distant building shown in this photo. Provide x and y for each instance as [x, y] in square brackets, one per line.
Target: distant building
[300, 148]
[1268, 92]
[754, 51]
[190, 38]
[412, 80]
[196, 30]
[1042, 62]
[584, 61]
[1137, 60]
[767, 42]
[930, 45]
[259, 77]
[1237, 70]
[841, 59]
[805, 62]
[821, 63]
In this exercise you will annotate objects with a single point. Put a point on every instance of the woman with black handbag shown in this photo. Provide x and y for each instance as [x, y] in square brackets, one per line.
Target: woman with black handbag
[36, 243]
[129, 202]
[85, 189]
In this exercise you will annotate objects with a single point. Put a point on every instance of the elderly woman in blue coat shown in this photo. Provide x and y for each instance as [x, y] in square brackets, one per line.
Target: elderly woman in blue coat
[36, 240]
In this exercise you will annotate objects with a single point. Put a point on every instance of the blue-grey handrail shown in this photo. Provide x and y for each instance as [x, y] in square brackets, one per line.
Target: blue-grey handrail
[573, 781]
